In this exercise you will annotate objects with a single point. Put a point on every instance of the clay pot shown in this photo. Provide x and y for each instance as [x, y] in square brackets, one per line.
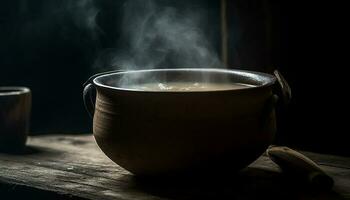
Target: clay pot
[161, 133]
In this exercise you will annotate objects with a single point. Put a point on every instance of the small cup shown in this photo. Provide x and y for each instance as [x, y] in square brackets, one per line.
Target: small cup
[15, 107]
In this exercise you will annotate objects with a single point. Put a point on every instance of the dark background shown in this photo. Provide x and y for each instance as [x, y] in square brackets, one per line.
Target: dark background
[48, 46]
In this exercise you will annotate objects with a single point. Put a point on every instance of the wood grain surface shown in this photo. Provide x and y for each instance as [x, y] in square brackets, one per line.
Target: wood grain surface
[71, 167]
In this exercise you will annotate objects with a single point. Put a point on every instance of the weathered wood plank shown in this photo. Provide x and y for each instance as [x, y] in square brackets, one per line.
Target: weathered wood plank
[75, 166]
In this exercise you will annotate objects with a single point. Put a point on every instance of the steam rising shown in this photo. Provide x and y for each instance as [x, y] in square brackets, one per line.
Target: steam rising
[84, 14]
[157, 36]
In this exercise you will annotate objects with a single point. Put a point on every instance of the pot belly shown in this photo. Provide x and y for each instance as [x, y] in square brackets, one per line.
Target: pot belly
[148, 143]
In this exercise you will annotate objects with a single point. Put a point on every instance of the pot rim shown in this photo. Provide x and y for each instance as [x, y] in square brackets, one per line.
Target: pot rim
[267, 79]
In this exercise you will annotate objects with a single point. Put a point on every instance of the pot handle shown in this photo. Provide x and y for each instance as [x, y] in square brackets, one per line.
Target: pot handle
[89, 98]
[284, 88]
[89, 92]
[281, 91]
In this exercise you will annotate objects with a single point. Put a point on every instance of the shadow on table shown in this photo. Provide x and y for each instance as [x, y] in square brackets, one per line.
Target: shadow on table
[250, 183]
[23, 151]
[30, 150]
[14, 192]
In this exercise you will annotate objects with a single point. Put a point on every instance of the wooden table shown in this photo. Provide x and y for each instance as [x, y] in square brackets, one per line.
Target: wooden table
[64, 167]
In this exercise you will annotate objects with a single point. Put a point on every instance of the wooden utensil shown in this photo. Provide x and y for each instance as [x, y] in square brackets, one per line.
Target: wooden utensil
[295, 163]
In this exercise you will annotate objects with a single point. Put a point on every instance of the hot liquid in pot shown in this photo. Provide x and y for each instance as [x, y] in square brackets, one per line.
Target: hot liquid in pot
[188, 86]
